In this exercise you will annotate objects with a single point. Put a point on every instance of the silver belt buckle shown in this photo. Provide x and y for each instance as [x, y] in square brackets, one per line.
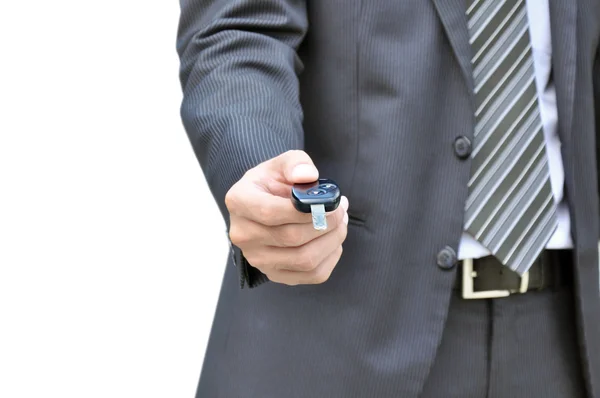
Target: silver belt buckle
[468, 290]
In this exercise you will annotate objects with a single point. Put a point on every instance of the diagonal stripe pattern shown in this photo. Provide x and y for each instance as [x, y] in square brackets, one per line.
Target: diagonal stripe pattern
[510, 206]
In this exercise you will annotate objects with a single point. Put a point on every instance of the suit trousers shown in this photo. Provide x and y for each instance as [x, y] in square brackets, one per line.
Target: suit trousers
[522, 346]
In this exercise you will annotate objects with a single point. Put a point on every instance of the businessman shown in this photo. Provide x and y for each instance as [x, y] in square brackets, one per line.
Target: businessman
[464, 137]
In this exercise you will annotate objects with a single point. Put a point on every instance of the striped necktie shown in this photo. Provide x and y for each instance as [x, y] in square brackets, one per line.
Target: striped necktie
[510, 207]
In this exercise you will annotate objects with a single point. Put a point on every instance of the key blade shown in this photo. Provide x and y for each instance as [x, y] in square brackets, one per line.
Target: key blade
[318, 217]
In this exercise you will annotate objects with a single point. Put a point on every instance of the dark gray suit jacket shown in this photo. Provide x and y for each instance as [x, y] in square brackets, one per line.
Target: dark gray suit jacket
[376, 91]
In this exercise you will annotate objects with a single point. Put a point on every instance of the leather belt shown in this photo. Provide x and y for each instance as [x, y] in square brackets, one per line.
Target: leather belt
[486, 277]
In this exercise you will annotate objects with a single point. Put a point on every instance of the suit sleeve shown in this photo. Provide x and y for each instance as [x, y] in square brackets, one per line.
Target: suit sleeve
[239, 75]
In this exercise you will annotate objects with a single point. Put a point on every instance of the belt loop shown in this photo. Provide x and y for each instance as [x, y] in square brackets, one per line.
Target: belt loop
[545, 257]
[559, 263]
[556, 260]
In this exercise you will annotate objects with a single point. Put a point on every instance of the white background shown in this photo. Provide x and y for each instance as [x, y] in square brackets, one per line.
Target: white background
[112, 249]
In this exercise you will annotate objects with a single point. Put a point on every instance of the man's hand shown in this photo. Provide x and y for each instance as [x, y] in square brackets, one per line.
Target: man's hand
[275, 237]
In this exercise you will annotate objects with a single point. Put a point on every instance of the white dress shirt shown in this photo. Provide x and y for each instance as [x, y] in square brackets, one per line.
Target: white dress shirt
[539, 28]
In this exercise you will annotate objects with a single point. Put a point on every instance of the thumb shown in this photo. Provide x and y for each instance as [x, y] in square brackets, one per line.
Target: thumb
[294, 167]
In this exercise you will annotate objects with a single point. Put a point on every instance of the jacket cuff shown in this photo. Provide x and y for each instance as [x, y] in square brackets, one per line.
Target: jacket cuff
[249, 276]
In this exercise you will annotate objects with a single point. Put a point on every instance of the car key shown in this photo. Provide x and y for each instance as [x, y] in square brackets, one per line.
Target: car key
[317, 198]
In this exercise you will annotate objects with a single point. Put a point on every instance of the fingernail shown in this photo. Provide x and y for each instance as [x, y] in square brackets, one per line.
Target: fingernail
[344, 202]
[346, 218]
[304, 172]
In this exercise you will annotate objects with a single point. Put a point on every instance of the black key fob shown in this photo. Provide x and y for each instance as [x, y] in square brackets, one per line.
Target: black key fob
[318, 198]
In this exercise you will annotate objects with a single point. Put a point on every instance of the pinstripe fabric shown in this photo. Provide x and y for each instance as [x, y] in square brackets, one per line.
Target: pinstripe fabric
[510, 207]
[478, 357]
[376, 92]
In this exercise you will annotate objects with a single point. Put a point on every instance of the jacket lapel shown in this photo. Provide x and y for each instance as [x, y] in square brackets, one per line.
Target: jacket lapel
[563, 18]
[454, 19]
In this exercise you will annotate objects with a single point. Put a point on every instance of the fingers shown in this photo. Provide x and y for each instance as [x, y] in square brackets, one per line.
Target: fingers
[293, 167]
[305, 258]
[264, 208]
[317, 276]
[244, 232]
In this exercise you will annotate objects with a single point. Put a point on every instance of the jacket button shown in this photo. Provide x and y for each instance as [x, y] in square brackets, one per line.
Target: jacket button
[446, 258]
[462, 147]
